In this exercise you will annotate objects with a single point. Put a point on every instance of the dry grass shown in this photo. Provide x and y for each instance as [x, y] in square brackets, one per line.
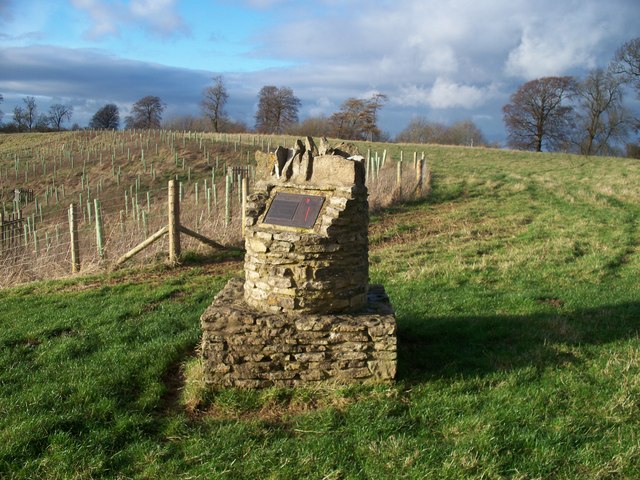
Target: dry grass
[95, 158]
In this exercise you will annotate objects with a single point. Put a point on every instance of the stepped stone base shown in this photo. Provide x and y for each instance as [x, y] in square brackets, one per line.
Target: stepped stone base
[246, 348]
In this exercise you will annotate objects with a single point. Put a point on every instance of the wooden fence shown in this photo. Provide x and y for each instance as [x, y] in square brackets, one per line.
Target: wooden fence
[70, 238]
[173, 228]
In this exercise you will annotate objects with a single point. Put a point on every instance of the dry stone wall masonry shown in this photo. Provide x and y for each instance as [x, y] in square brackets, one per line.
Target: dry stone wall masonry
[248, 348]
[305, 312]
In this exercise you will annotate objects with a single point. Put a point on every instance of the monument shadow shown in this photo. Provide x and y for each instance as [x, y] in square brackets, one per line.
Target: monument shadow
[431, 347]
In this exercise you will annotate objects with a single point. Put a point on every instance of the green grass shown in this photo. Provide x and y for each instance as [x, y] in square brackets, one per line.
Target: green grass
[518, 301]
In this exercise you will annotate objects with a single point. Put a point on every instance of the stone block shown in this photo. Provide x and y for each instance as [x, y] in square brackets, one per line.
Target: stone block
[309, 376]
[310, 357]
[256, 245]
[385, 355]
[384, 369]
[255, 349]
[351, 374]
[313, 323]
[264, 164]
[337, 171]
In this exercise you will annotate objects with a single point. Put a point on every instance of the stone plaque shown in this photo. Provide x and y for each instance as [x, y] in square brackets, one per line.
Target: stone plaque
[294, 210]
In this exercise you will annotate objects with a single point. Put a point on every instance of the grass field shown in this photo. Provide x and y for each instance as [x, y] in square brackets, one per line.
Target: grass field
[516, 287]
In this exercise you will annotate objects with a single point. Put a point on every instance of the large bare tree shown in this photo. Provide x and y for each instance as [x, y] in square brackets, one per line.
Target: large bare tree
[277, 109]
[602, 118]
[146, 113]
[214, 99]
[58, 114]
[539, 116]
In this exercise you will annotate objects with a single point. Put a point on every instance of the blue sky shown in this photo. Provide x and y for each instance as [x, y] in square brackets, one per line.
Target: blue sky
[440, 60]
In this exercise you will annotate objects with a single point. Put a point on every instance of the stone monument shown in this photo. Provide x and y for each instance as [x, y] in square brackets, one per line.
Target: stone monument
[305, 311]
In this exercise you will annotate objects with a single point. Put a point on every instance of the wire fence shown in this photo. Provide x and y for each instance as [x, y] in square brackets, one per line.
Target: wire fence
[118, 184]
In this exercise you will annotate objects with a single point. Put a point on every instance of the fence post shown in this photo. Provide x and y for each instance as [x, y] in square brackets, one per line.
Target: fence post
[96, 206]
[145, 227]
[227, 201]
[17, 226]
[174, 223]
[75, 244]
[244, 202]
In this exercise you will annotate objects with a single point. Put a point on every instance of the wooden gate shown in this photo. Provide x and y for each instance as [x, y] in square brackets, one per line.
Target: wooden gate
[10, 230]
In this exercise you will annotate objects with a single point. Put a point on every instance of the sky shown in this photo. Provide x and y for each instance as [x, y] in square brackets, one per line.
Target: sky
[440, 60]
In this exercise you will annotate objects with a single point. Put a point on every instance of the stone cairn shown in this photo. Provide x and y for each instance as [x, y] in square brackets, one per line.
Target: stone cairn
[305, 312]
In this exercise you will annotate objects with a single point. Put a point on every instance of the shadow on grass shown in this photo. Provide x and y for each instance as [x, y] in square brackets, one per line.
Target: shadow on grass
[445, 347]
[193, 258]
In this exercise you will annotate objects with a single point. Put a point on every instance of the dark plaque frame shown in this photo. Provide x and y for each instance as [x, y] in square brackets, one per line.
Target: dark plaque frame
[294, 210]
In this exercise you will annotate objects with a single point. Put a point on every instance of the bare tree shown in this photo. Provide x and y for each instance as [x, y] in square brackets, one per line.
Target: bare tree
[187, 122]
[42, 123]
[464, 132]
[277, 109]
[107, 118]
[350, 121]
[357, 118]
[420, 130]
[313, 127]
[59, 113]
[374, 104]
[626, 62]
[18, 118]
[602, 119]
[30, 112]
[146, 113]
[538, 117]
[214, 99]
[626, 65]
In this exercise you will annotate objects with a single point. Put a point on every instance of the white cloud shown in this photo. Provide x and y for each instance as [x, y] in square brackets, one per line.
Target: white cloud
[107, 18]
[160, 15]
[556, 44]
[559, 38]
[322, 106]
[104, 17]
[445, 94]
[439, 60]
